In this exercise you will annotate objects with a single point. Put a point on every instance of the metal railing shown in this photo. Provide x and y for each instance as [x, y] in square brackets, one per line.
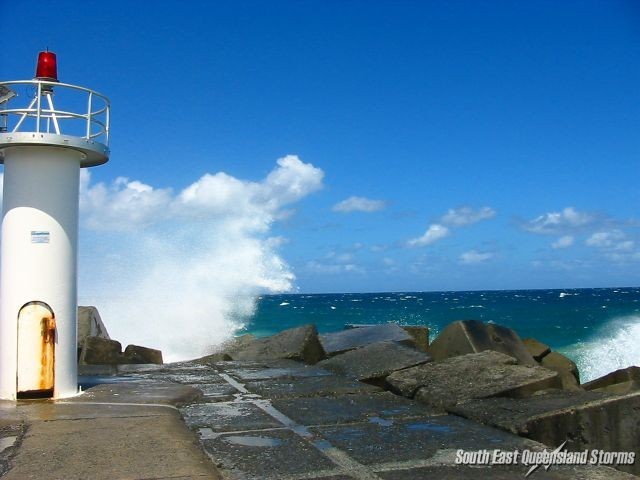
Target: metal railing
[84, 113]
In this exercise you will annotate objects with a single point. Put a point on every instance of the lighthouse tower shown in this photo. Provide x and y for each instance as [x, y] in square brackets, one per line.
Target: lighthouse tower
[48, 131]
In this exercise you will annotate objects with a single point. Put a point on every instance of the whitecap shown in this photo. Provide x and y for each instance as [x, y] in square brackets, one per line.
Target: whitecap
[615, 345]
[284, 304]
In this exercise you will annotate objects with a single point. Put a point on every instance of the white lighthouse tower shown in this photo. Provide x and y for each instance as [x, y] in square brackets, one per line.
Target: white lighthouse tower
[48, 131]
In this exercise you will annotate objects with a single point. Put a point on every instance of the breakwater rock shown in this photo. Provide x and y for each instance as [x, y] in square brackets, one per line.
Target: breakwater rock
[95, 346]
[380, 405]
[379, 402]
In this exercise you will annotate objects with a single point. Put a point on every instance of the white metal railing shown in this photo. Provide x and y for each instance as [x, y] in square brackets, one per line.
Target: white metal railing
[84, 113]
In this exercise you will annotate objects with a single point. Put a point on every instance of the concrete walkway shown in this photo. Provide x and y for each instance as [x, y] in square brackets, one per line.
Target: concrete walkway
[271, 420]
[103, 435]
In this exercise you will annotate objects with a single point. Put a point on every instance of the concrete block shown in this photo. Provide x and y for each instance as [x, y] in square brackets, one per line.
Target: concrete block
[628, 376]
[266, 454]
[140, 392]
[340, 342]
[586, 420]
[505, 472]
[138, 354]
[90, 324]
[249, 374]
[330, 385]
[375, 361]
[228, 417]
[420, 336]
[297, 344]
[537, 349]
[472, 336]
[476, 375]
[374, 408]
[100, 351]
[566, 368]
[415, 440]
[222, 353]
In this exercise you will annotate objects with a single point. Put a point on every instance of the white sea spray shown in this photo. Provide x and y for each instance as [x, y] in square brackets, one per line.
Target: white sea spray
[615, 345]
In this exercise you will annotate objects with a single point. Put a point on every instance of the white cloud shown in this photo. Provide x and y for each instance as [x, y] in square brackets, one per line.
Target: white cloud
[473, 257]
[358, 204]
[455, 218]
[434, 233]
[192, 261]
[614, 240]
[122, 205]
[554, 223]
[333, 268]
[459, 217]
[126, 204]
[605, 239]
[563, 242]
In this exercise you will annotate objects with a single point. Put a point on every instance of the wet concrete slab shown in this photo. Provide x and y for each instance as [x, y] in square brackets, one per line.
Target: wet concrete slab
[334, 477]
[140, 367]
[299, 371]
[266, 455]
[188, 379]
[224, 417]
[415, 439]
[46, 410]
[309, 387]
[351, 408]
[216, 392]
[110, 448]
[448, 472]
[152, 392]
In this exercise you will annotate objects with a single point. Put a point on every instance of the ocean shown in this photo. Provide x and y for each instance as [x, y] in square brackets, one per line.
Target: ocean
[598, 328]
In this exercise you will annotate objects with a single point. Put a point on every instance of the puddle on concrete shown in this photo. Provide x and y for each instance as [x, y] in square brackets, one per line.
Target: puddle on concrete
[383, 422]
[87, 381]
[7, 442]
[322, 445]
[429, 426]
[207, 433]
[222, 409]
[252, 441]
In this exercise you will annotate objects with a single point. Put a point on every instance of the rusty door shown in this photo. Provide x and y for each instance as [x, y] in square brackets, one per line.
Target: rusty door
[36, 350]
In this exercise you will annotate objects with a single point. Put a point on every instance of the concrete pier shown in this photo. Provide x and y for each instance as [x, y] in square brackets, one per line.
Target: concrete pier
[272, 419]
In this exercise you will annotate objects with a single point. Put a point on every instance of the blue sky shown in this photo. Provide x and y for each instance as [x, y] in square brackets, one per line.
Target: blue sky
[326, 146]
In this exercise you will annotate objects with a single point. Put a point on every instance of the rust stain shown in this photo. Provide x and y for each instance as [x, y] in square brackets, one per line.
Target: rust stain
[47, 352]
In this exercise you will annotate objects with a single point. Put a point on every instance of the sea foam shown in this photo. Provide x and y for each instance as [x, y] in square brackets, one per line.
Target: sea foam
[615, 345]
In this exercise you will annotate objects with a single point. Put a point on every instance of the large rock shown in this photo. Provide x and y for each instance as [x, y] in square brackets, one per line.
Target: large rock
[375, 362]
[90, 324]
[625, 380]
[566, 368]
[420, 336]
[300, 343]
[138, 354]
[618, 376]
[100, 351]
[537, 349]
[475, 375]
[340, 342]
[585, 420]
[472, 336]
[223, 352]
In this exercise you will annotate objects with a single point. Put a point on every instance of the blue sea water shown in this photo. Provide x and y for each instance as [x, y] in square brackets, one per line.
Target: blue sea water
[598, 328]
